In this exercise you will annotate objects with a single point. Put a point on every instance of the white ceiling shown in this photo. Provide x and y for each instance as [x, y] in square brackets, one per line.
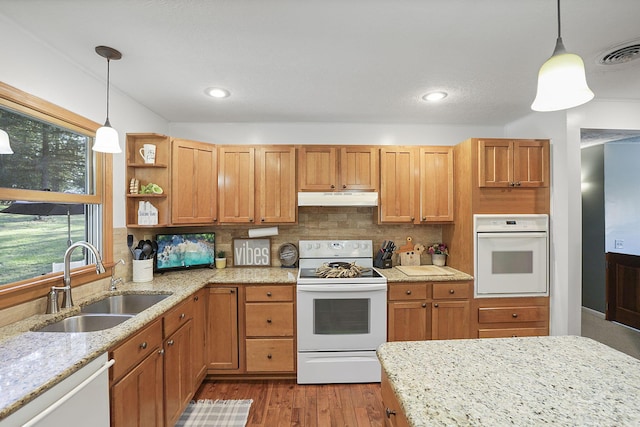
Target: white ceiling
[363, 61]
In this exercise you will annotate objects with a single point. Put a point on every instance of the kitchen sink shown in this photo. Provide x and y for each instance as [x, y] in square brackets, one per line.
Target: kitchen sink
[124, 304]
[86, 323]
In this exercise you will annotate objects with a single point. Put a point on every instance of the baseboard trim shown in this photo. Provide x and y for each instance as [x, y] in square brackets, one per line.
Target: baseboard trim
[593, 312]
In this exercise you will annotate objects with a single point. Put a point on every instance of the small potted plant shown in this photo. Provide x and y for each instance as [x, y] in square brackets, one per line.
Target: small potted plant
[438, 253]
[221, 260]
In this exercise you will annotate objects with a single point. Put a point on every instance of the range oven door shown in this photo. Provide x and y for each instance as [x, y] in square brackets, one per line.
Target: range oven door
[512, 264]
[341, 317]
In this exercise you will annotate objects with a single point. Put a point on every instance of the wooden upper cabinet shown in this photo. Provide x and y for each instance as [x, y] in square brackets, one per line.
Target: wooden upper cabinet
[513, 163]
[397, 184]
[329, 168]
[276, 183]
[436, 184]
[194, 182]
[236, 184]
[359, 168]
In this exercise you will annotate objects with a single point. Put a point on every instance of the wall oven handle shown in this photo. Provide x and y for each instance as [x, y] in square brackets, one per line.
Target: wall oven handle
[344, 287]
[512, 234]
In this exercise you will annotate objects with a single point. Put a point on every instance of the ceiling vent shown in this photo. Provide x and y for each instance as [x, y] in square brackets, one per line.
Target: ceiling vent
[620, 55]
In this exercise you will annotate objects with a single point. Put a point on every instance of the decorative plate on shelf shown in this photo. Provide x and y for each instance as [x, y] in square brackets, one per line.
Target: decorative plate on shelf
[288, 254]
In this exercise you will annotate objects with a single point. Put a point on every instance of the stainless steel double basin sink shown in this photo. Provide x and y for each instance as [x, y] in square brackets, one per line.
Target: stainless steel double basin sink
[105, 313]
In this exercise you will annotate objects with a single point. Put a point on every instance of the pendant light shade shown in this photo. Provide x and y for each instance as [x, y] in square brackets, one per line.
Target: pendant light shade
[5, 146]
[106, 140]
[562, 82]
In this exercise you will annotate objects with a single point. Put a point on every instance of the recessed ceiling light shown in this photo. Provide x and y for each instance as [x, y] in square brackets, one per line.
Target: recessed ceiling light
[217, 92]
[434, 96]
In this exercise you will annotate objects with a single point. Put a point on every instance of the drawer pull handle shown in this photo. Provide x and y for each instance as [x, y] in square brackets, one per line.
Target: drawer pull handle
[424, 304]
[514, 315]
[452, 291]
[389, 412]
[268, 320]
[424, 218]
[161, 351]
[182, 316]
[170, 342]
[435, 305]
[269, 356]
[408, 291]
[196, 298]
[143, 345]
[268, 294]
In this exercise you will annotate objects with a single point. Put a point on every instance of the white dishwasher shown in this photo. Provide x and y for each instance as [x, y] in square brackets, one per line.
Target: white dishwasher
[82, 399]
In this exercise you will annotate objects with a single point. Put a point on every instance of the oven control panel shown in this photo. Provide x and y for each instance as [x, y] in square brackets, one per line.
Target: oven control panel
[335, 248]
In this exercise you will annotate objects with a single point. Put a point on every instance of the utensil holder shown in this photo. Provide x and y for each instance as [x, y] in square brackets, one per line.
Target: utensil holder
[143, 270]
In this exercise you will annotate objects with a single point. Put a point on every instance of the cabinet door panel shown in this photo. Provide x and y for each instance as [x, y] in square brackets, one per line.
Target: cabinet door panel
[408, 321]
[317, 170]
[397, 184]
[359, 168]
[236, 184]
[277, 185]
[178, 371]
[531, 163]
[450, 320]
[495, 163]
[222, 351]
[436, 184]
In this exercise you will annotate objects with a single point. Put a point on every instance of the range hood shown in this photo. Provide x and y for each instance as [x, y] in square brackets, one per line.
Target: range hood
[338, 198]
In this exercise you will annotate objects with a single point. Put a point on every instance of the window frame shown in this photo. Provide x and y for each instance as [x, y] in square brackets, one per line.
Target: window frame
[30, 289]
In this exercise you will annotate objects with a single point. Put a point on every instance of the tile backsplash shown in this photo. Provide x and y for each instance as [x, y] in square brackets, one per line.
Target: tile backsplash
[314, 223]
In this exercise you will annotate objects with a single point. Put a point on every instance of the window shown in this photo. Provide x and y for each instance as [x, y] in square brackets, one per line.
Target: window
[53, 191]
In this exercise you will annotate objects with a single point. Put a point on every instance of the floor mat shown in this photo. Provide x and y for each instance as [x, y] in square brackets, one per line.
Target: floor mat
[215, 413]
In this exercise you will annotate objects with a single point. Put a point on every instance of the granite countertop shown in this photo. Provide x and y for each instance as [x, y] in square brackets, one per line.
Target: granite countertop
[560, 381]
[33, 362]
[395, 275]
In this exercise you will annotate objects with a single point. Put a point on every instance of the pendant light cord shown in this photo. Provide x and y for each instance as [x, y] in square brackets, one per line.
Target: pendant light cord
[559, 36]
[108, 80]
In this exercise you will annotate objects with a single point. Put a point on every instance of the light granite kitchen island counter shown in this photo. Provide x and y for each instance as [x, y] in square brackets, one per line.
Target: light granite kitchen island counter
[559, 381]
[33, 362]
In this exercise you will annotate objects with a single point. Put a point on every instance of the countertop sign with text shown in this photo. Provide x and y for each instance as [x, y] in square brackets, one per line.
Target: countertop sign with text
[252, 252]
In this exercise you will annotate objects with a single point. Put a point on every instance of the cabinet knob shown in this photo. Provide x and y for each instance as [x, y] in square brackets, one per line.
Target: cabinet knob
[143, 345]
[424, 305]
[344, 185]
[233, 291]
[333, 186]
[261, 219]
[424, 218]
[269, 356]
[268, 294]
[250, 219]
[196, 298]
[182, 315]
[215, 219]
[514, 315]
[413, 218]
[518, 184]
[389, 412]
[170, 342]
[268, 320]
[408, 291]
[435, 305]
[452, 291]
[161, 351]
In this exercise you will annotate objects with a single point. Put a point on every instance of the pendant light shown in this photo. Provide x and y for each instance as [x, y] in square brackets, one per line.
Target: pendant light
[106, 140]
[561, 81]
[5, 146]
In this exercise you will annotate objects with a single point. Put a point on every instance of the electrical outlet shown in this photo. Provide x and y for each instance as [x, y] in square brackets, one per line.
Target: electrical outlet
[619, 244]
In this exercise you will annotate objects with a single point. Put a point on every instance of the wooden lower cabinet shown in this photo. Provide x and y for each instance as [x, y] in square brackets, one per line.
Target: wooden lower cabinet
[199, 335]
[393, 415]
[422, 311]
[137, 379]
[511, 317]
[222, 329]
[178, 379]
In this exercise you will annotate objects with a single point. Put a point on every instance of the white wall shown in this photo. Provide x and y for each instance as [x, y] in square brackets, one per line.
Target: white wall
[33, 67]
[330, 133]
[622, 196]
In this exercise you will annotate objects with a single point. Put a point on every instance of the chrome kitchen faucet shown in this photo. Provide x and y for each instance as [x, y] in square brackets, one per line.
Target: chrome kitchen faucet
[67, 301]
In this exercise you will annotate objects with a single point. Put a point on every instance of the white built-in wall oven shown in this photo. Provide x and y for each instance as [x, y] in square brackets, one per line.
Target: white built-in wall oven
[511, 255]
[341, 321]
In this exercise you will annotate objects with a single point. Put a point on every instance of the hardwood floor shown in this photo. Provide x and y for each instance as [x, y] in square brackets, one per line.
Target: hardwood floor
[280, 403]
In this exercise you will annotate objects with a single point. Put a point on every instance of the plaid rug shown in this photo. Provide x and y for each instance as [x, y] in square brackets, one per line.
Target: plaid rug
[215, 413]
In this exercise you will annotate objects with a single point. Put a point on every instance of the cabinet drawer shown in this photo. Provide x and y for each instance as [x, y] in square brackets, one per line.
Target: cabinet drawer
[269, 319]
[268, 293]
[178, 316]
[513, 314]
[135, 349]
[408, 291]
[512, 332]
[451, 290]
[270, 355]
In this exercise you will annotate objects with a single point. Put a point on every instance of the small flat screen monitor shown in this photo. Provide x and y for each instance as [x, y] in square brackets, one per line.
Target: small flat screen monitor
[187, 250]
